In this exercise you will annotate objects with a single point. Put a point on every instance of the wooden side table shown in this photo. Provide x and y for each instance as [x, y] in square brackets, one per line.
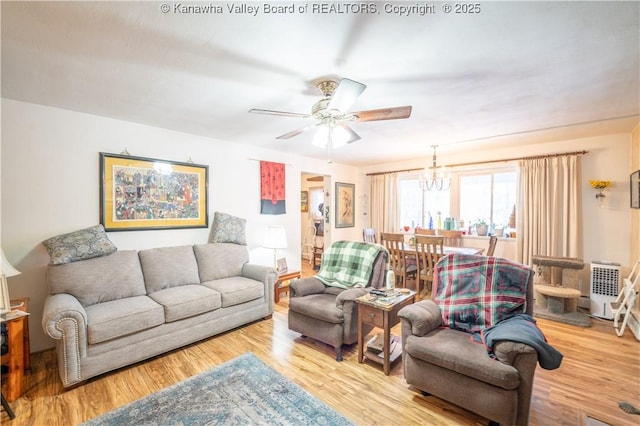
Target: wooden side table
[279, 287]
[385, 317]
[15, 357]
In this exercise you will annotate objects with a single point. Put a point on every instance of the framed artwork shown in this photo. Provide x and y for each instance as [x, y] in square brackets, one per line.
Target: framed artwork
[304, 201]
[139, 193]
[282, 265]
[634, 186]
[345, 216]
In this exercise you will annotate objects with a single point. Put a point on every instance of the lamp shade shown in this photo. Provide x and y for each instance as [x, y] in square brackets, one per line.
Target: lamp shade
[7, 268]
[276, 238]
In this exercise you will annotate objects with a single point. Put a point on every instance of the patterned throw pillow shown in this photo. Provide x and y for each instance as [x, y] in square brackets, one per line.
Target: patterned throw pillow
[79, 245]
[228, 229]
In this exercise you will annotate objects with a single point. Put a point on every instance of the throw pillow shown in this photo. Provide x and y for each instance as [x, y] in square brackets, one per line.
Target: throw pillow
[79, 245]
[228, 229]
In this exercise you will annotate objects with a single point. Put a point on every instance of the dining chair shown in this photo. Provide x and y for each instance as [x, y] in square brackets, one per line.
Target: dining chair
[369, 235]
[452, 238]
[493, 240]
[425, 231]
[399, 258]
[429, 249]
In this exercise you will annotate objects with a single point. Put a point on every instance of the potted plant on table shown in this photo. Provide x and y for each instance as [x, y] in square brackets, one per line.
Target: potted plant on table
[482, 227]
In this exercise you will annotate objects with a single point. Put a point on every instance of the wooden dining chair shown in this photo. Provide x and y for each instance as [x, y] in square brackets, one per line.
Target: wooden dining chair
[369, 235]
[493, 240]
[425, 231]
[452, 238]
[429, 249]
[399, 259]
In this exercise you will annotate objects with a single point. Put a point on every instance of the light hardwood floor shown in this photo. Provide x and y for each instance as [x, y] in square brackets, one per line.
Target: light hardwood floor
[599, 370]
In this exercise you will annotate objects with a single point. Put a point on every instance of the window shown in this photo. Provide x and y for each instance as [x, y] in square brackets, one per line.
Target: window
[487, 195]
[412, 200]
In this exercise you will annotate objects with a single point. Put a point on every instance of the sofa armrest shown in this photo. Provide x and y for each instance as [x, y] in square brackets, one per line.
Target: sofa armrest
[422, 317]
[65, 319]
[264, 274]
[350, 295]
[306, 286]
[508, 352]
[61, 307]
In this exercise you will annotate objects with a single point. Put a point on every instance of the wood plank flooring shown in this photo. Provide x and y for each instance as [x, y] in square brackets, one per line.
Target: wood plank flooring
[599, 370]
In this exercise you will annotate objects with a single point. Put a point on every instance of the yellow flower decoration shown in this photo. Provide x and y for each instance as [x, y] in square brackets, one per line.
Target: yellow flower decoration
[600, 184]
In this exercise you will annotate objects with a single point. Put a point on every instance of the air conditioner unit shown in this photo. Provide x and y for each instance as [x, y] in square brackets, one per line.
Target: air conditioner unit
[605, 283]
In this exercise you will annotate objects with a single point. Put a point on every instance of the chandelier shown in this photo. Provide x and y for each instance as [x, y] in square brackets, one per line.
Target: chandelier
[434, 181]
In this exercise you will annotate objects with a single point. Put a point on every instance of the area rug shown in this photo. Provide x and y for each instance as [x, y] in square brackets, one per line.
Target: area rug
[243, 391]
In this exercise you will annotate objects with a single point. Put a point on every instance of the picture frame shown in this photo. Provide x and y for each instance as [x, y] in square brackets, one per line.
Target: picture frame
[304, 201]
[138, 193]
[282, 265]
[345, 206]
[634, 187]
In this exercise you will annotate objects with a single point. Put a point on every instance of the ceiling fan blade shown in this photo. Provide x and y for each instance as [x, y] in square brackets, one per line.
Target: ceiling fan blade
[353, 136]
[282, 113]
[383, 114]
[345, 95]
[297, 132]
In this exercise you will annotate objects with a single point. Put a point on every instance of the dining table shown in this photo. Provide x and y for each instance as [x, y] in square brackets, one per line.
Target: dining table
[450, 249]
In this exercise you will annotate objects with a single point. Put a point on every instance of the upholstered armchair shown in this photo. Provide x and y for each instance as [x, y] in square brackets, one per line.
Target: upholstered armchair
[440, 357]
[323, 307]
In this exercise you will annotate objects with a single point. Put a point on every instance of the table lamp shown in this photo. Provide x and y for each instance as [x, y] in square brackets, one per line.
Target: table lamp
[6, 270]
[276, 238]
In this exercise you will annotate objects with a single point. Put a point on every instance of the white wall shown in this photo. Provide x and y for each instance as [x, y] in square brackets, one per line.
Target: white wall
[50, 185]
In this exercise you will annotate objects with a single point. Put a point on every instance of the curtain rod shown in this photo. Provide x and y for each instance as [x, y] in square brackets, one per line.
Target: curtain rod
[475, 163]
[256, 159]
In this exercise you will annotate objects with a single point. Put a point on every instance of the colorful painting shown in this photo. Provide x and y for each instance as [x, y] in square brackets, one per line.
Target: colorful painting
[142, 193]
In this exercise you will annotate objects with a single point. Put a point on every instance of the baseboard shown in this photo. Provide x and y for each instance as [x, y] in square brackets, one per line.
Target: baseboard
[634, 325]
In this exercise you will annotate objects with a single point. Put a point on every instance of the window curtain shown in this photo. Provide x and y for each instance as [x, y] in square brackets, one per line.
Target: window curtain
[548, 216]
[384, 204]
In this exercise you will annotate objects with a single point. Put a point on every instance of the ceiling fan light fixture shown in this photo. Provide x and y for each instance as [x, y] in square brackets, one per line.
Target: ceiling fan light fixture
[330, 135]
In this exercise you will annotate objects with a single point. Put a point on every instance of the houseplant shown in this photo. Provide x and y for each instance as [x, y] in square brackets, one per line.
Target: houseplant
[481, 227]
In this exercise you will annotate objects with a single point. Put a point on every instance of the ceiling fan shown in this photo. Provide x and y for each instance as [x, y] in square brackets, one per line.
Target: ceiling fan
[332, 116]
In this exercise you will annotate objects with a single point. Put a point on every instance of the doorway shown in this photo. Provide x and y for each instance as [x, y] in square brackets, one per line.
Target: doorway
[315, 220]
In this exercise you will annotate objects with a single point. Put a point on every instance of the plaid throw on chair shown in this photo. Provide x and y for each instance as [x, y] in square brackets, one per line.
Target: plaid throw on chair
[347, 264]
[476, 292]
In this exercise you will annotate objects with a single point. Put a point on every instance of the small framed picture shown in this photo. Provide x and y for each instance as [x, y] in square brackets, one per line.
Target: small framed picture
[282, 265]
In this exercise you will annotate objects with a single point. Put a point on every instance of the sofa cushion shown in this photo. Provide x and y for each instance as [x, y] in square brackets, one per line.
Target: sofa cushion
[79, 245]
[99, 280]
[166, 267]
[236, 290]
[216, 261]
[117, 318]
[186, 301]
[320, 306]
[453, 350]
[228, 229]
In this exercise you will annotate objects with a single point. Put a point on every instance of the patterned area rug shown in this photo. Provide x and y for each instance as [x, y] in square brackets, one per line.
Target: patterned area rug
[243, 391]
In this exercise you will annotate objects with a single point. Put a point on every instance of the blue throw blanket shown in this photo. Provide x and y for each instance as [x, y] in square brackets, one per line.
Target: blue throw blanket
[522, 328]
[347, 264]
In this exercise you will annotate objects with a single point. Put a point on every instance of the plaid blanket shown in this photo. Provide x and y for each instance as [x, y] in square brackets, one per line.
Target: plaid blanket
[476, 292]
[347, 264]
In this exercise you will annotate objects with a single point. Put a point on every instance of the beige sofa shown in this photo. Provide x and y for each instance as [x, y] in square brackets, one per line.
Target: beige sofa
[112, 311]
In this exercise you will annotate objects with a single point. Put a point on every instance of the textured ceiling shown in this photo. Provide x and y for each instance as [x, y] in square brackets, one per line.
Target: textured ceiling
[510, 69]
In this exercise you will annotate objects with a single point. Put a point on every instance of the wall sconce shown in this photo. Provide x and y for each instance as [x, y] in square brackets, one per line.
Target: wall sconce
[600, 185]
